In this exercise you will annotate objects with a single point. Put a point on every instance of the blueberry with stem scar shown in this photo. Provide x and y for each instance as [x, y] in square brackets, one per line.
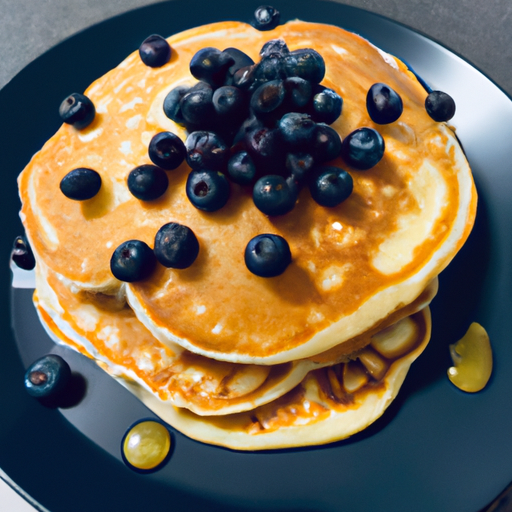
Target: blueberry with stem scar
[132, 261]
[155, 51]
[176, 246]
[48, 376]
[147, 182]
[167, 150]
[207, 190]
[267, 255]
[331, 186]
[77, 110]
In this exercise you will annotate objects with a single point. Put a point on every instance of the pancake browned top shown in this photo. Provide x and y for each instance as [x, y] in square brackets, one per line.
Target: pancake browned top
[352, 265]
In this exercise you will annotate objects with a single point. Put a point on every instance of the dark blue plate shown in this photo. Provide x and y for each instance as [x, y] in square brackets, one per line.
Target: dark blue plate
[435, 449]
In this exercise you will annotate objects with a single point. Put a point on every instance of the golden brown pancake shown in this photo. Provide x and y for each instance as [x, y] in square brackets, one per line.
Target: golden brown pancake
[353, 265]
[330, 404]
[112, 335]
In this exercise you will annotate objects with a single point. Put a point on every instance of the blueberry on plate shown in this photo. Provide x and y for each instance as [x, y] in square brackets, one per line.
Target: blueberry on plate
[326, 105]
[206, 150]
[172, 108]
[241, 168]
[147, 182]
[166, 150]
[267, 255]
[48, 376]
[77, 110]
[132, 261]
[363, 148]
[297, 130]
[273, 195]
[211, 66]
[155, 51]
[207, 190]
[326, 144]
[440, 106]
[331, 186]
[384, 105]
[22, 254]
[305, 63]
[80, 184]
[266, 18]
[176, 246]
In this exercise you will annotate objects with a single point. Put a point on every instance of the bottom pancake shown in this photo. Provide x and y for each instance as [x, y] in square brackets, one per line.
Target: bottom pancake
[330, 404]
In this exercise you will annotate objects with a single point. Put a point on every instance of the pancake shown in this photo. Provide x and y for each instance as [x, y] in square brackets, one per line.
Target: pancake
[353, 265]
[321, 409]
[110, 333]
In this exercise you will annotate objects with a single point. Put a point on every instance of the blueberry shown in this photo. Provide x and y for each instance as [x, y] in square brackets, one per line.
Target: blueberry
[440, 106]
[166, 150]
[274, 46]
[305, 63]
[297, 130]
[363, 148]
[206, 150]
[77, 110]
[172, 108]
[207, 190]
[299, 166]
[155, 51]
[298, 93]
[241, 168]
[268, 97]
[244, 78]
[230, 104]
[211, 66]
[267, 150]
[81, 184]
[266, 18]
[48, 376]
[326, 105]
[326, 144]
[331, 186]
[176, 246]
[240, 60]
[132, 261]
[147, 182]
[384, 105]
[273, 195]
[269, 68]
[196, 105]
[267, 255]
[22, 254]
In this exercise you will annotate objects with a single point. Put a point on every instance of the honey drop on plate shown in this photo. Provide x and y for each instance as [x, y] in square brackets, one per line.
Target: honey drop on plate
[146, 445]
[472, 357]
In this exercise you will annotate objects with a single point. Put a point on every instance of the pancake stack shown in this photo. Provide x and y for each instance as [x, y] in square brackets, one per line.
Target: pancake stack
[227, 357]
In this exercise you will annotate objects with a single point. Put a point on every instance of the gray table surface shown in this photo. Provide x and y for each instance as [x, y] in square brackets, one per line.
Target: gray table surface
[480, 31]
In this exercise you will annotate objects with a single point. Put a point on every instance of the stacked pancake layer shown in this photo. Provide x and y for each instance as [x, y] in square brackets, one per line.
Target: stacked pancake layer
[214, 338]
